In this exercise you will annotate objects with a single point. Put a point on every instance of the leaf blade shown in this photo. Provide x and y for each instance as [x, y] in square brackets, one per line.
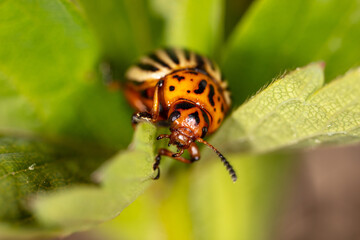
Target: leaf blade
[122, 180]
[295, 112]
[276, 35]
[32, 166]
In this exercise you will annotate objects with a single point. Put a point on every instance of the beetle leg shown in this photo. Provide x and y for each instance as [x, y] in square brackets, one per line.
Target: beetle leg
[156, 166]
[144, 115]
[165, 152]
[134, 98]
[140, 117]
[155, 111]
[194, 152]
[170, 154]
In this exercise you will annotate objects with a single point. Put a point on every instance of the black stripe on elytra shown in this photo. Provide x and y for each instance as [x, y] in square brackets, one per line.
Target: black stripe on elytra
[212, 64]
[179, 78]
[170, 52]
[192, 72]
[174, 115]
[195, 115]
[137, 83]
[204, 131]
[205, 116]
[222, 78]
[202, 86]
[154, 57]
[187, 54]
[184, 105]
[199, 61]
[211, 95]
[147, 67]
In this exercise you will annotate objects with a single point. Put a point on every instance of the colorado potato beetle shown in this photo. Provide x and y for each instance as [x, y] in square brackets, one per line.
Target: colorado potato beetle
[184, 90]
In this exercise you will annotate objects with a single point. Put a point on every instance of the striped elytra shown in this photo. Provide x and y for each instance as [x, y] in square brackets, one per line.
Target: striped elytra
[185, 90]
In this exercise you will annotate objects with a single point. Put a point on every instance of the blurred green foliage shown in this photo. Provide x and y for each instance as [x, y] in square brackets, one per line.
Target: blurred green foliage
[50, 85]
[59, 121]
[277, 35]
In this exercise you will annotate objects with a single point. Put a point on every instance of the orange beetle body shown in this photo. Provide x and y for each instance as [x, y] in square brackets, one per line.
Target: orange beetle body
[186, 91]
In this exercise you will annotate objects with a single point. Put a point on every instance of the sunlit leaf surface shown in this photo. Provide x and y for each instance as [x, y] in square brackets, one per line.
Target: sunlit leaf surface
[296, 111]
[276, 35]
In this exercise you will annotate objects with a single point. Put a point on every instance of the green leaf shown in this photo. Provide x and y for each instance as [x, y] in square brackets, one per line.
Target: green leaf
[125, 29]
[197, 25]
[294, 111]
[199, 201]
[275, 35]
[32, 166]
[47, 57]
[121, 181]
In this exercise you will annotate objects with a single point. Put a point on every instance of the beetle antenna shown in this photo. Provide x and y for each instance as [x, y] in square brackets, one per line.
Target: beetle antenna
[223, 159]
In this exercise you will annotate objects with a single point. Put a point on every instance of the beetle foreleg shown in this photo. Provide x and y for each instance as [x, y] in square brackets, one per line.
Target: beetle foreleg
[165, 152]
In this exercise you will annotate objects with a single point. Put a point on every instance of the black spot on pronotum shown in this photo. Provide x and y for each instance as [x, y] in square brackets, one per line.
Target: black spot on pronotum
[188, 91]
[204, 131]
[170, 52]
[195, 115]
[147, 67]
[179, 78]
[171, 88]
[211, 95]
[154, 57]
[205, 116]
[202, 86]
[174, 115]
[222, 107]
[184, 105]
